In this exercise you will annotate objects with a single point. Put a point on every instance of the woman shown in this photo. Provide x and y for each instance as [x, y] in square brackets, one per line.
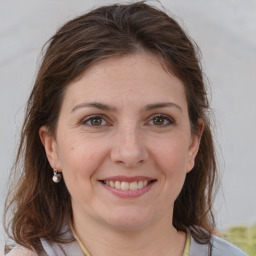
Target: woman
[116, 146]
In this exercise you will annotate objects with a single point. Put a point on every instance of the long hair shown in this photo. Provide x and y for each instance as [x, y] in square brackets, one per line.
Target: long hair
[40, 206]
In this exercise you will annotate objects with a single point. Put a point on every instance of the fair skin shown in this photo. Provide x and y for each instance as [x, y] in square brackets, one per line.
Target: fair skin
[124, 146]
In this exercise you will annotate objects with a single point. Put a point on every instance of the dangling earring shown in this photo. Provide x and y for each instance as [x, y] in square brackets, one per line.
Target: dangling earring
[56, 176]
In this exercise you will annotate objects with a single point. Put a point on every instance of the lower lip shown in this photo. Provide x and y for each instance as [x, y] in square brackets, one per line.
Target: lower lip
[129, 193]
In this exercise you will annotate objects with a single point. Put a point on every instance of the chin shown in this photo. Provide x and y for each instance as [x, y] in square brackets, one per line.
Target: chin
[128, 221]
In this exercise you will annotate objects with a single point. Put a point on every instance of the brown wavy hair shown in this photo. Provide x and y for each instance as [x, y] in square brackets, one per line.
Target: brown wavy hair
[38, 206]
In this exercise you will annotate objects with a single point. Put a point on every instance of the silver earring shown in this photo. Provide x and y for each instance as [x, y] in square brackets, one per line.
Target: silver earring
[56, 176]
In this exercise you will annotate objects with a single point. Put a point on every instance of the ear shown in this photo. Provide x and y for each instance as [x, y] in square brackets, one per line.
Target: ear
[50, 146]
[194, 145]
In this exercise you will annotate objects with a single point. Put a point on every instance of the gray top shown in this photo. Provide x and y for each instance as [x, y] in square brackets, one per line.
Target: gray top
[220, 248]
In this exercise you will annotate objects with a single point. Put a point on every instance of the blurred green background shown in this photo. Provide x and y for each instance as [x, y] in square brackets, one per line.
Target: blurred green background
[242, 236]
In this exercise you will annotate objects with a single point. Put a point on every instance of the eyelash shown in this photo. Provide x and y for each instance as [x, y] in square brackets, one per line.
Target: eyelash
[165, 117]
[90, 118]
[102, 117]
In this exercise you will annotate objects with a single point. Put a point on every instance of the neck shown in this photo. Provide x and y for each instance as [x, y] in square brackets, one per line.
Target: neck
[161, 238]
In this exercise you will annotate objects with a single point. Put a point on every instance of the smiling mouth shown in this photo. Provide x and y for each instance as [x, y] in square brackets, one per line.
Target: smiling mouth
[124, 185]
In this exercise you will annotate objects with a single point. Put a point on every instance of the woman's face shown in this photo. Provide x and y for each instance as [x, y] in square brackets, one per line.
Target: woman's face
[123, 142]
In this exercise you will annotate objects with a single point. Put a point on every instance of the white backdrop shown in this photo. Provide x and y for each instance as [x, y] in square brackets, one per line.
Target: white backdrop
[225, 30]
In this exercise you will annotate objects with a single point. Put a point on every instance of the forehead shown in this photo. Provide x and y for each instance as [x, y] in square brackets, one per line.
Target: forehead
[135, 77]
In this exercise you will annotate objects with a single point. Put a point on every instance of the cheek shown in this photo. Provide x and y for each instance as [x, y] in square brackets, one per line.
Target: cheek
[171, 159]
[79, 160]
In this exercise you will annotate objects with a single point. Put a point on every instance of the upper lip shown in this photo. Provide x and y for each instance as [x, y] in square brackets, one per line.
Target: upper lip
[128, 179]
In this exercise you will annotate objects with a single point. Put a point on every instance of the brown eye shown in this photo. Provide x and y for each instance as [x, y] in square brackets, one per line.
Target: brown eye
[161, 120]
[96, 121]
[158, 121]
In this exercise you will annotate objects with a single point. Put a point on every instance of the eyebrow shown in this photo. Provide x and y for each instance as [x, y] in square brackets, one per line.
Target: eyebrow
[105, 107]
[161, 105]
[97, 105]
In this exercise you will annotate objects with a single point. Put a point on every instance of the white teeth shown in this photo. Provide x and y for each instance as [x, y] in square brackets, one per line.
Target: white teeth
[117, 184]
[133, 185]
[124, 185]
[141, 184]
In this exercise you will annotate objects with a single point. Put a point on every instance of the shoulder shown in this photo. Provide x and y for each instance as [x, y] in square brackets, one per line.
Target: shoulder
[222, 247]
[21, 251]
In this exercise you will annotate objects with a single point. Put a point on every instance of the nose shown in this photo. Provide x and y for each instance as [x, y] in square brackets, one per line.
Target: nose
[129, 148]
